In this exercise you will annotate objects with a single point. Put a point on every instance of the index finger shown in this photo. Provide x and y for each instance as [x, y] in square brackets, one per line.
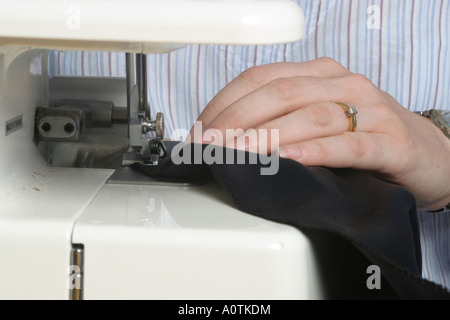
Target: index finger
[279, 98]
[257, 77]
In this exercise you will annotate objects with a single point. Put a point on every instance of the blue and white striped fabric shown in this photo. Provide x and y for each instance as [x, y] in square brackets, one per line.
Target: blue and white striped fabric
[87, 63]
[402, 46]
[435, 242]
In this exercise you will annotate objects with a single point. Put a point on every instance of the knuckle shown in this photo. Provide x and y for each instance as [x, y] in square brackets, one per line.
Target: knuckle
[357, 146]
[284, 88]
[390, 121]
[327, 61]
[254, 75]
[329, 65]
[230, 119]
[357, 80]
[384, 110]
[382, 106]
[321, 153]
[356, 84]
[320, 116]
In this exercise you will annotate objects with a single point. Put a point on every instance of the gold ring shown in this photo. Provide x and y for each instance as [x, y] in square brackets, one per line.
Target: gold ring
[350, 113]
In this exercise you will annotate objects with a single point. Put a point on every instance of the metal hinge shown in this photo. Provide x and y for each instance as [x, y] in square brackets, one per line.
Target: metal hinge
[76, 273]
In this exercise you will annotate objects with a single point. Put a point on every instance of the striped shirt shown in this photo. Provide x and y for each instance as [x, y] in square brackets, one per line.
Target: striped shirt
[403, 47]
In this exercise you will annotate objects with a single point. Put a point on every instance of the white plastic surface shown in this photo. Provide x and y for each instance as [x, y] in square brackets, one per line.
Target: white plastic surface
[147, 242]
[141, 242]
[147, 25]
[38, 205]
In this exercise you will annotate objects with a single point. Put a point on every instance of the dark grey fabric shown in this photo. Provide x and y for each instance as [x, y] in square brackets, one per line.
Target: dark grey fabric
[373, 216]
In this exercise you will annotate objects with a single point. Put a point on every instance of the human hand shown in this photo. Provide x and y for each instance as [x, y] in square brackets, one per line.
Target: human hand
[299, 100]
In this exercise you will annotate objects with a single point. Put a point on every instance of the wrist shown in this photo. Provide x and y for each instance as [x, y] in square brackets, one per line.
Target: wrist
[441, 118]
[439, 191]
[446, 143]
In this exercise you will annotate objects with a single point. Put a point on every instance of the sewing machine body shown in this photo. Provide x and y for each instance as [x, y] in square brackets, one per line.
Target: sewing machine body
[63, 226]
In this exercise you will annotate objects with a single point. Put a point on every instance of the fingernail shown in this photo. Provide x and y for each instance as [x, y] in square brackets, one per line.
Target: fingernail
[290, 152]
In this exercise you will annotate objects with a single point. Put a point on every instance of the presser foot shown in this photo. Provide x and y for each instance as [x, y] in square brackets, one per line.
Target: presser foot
[151, 156]
[145, 151]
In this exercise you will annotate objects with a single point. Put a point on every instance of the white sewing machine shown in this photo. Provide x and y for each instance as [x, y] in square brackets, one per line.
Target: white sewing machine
[69, 231]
